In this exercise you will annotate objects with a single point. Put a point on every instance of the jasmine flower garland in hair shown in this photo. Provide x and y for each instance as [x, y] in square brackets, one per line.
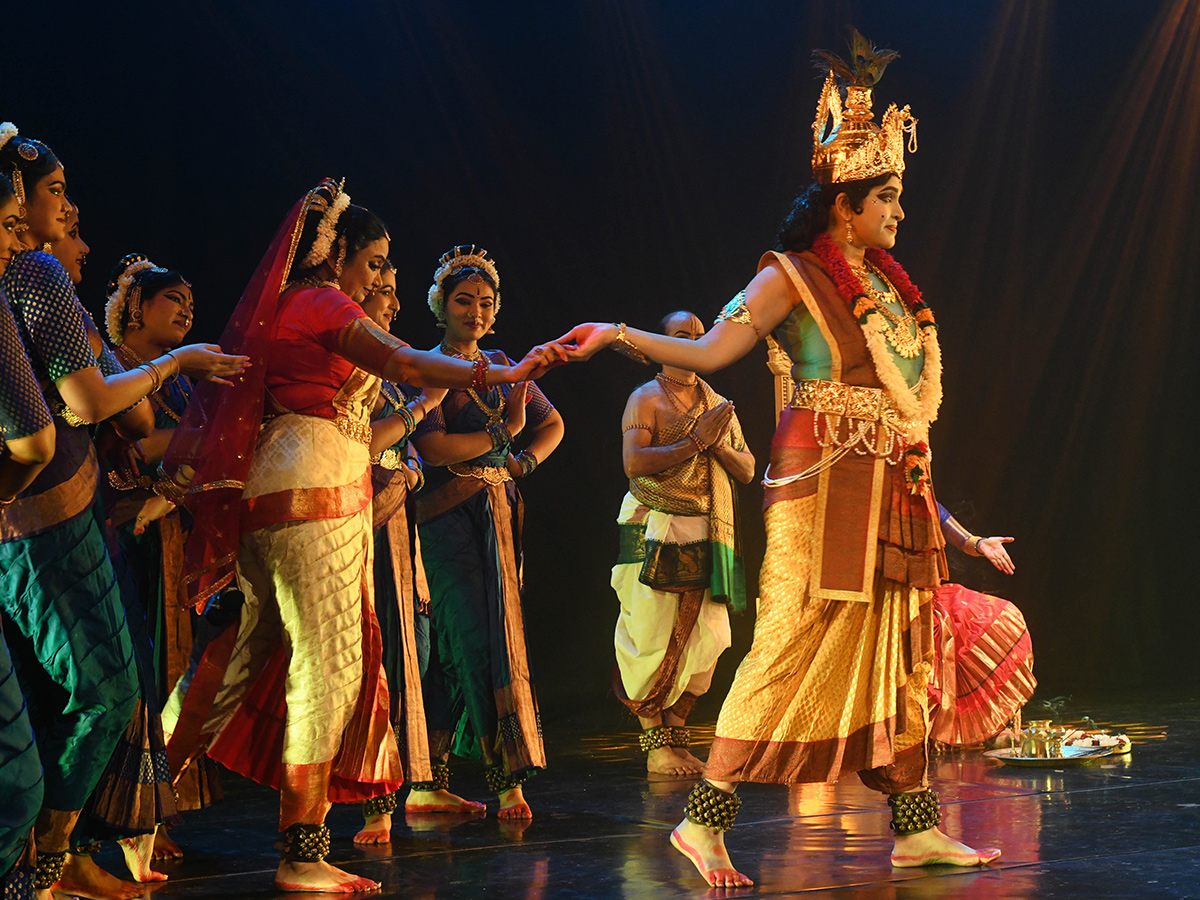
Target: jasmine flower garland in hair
[326, 232]
[115, 308]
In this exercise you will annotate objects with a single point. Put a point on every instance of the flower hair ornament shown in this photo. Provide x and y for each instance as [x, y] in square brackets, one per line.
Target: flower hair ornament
[28, 152]
[124, 293]
[331, 211]
[461, 257]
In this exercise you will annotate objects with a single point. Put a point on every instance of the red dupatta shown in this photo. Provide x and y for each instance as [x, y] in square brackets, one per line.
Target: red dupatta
[219, 430]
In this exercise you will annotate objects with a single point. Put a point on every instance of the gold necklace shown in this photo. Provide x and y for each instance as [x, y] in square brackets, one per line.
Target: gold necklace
[702, 402]
[663, 376]
[494, 415]
[901, 332]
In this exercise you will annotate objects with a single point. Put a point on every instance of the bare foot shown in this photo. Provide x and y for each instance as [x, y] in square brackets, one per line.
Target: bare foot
[81, 877]
[320, 877]
[667, 761]
[933, 848]
[377, 830]
[164, 847]
[138, 853]
[705, 847]
[513, 805]
[441, 802]
[687, 756]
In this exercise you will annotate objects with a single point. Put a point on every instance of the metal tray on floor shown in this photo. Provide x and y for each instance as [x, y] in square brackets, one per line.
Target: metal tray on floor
[1072, 756]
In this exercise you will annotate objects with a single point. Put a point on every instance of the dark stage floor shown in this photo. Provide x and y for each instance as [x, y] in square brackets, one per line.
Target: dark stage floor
[1127, 827]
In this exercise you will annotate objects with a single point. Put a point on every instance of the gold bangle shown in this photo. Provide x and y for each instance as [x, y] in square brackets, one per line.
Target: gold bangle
[155, 376]
[5, 501]
[626, 347]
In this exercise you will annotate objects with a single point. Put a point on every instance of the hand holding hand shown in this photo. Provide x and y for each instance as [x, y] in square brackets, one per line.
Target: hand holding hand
[585, 341]
[537, 362]
[992, 549]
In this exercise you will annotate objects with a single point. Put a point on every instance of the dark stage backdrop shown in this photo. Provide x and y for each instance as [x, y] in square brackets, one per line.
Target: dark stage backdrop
[623, 159]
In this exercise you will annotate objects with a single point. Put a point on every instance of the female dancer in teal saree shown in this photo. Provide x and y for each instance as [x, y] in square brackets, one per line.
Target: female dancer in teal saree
[479, 697]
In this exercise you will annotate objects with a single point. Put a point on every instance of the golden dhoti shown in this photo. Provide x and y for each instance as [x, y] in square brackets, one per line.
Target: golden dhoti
[829, 686]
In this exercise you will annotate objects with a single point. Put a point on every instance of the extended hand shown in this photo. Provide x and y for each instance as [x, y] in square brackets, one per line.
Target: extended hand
[992, 549]
[585, 341]
[206, 361]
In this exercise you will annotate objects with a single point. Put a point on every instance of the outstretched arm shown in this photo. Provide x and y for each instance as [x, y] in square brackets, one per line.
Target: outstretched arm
[990, 548]
[370, 347]
[767, 298]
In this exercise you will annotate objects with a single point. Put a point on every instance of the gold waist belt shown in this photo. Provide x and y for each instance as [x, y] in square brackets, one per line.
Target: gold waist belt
[837, 399]
[487, 474]
[354, 429]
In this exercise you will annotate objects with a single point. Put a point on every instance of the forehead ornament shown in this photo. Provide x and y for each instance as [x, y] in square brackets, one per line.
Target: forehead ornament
[464, 256]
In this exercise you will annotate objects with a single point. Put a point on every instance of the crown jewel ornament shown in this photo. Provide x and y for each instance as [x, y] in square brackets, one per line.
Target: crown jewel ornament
[847, 144]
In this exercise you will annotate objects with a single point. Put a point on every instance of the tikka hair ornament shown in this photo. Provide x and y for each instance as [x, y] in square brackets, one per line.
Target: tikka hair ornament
[461, 257]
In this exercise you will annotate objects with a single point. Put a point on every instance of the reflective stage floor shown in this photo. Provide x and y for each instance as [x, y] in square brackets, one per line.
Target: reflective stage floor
[1122, 827]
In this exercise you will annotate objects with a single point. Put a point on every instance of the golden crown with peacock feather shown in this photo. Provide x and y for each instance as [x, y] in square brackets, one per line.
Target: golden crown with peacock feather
[847, 144]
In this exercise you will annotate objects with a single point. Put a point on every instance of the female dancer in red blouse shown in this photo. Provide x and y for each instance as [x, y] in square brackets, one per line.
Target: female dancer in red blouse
[278, 478]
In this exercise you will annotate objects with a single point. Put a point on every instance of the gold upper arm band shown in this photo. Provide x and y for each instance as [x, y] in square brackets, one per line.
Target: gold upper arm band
[738, 312]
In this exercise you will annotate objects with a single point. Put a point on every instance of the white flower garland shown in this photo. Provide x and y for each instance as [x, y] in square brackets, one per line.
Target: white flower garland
[922, 411]
[8, 131]
[451, 262]
[114, 309]
[326, 232]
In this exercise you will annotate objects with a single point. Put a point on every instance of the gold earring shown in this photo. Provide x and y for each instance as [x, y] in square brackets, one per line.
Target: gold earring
[849, 233]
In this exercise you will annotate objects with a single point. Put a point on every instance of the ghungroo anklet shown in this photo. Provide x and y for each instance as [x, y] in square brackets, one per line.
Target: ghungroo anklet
[303, 842]
[499, 781]
[440, 782]
[49, 870]
[914, 812]
[85, 849]
[711, 807]
[680, 736]
[654, 738]
[380, 806]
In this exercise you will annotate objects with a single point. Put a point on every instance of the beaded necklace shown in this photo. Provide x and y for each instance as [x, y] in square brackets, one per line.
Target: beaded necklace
[494, 415]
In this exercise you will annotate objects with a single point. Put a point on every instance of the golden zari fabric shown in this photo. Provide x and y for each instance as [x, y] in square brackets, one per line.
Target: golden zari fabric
[823, 690]
[698, 486]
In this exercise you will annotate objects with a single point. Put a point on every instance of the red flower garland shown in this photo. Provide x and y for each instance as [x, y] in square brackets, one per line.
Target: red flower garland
[851, 287]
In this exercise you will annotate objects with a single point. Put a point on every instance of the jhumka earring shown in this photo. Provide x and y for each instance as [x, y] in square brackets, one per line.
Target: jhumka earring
[849, 233]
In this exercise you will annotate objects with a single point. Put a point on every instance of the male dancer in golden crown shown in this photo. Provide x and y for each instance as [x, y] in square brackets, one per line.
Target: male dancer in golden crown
[835, 681]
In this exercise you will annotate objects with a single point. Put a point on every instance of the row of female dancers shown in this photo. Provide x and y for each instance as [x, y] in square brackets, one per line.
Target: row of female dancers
[150, 639]
[289, 466]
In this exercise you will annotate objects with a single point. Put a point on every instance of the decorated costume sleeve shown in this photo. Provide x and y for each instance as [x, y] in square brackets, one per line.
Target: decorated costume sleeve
[433, 423]
[366, 344]
[22, 408]
[43, 297]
